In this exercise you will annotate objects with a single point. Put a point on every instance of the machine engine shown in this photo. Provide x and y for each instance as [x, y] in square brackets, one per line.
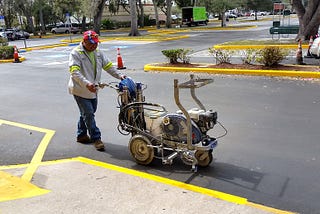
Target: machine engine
[204, 119]
[174, 126]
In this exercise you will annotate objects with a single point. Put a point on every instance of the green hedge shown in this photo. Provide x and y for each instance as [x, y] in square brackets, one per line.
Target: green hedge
[6, 52]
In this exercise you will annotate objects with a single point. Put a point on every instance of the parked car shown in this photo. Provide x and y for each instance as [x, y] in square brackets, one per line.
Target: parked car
[232, 16]
[315, 48]
[11, 34]
[65, 28]
[258, 13]
[3, 34]
[20, 34]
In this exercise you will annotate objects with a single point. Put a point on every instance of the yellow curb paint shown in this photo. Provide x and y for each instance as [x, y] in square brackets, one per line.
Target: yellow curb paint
[209, 192]
[37, 157]
[301, 74]
[242, 47]
[21, 58]
[12, 188]
[268, 209]
[212, 193]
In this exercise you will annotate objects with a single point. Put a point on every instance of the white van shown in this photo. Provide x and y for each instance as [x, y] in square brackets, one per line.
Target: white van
[65, 28]
[315, 48]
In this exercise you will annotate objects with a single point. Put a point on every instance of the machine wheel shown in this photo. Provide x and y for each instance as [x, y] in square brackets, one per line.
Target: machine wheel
[204, 158]
[140, 151]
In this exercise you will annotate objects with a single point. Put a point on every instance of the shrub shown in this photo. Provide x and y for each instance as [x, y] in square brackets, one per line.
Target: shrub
[123, 24]
[174, 55]
[108, 24]
[248, 56]
[221, 56]
[6, 52]
[3, 41]
[148, 21]
[184, 56]
[271, 56]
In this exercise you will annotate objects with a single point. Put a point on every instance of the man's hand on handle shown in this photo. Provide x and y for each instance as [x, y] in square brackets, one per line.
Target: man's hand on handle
[91, 87]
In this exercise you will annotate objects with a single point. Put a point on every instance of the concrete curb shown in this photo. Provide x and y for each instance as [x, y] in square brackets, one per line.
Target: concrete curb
[242, 47]
[21, 58]
[249, 72]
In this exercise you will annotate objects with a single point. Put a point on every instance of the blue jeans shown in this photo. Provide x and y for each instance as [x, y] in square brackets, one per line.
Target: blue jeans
[87, 121]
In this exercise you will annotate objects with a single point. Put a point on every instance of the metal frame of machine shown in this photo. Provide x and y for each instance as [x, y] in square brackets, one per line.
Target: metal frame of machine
[157, 134]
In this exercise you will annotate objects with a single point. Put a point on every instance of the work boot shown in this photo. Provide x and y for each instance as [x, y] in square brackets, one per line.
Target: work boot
[99, 145]
[85, 139]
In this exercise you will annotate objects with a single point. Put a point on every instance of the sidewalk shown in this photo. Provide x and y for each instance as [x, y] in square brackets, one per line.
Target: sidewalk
[82, 185]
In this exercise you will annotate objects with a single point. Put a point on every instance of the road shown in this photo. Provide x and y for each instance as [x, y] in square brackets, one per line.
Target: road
[270, 154]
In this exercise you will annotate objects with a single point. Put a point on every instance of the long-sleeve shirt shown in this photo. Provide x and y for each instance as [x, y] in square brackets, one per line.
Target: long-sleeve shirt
[85, 67]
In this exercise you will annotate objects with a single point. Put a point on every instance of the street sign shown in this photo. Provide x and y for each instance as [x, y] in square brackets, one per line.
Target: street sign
[2, 20]
[68, 21]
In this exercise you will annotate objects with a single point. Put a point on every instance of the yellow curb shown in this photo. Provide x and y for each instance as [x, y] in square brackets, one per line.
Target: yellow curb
[300, 74]
[241, 47]
[21, 58]
[44, 47]
[212, 193]
[268, 209]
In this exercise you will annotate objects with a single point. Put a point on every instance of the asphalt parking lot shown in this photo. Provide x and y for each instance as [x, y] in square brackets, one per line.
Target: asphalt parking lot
[40, 110]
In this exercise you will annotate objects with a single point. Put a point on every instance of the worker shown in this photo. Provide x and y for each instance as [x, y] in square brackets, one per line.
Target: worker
[86, 62]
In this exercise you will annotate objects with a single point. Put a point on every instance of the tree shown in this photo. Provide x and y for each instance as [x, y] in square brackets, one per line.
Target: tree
[309, 17]
[134, 22]
[169, 7]
[220, 7]
[92, 9]
[97, 15]
[25, 8]
[62, 7]
[184, 3]
[156, 14]
[7, 9]
[257, 5]
[166, 6]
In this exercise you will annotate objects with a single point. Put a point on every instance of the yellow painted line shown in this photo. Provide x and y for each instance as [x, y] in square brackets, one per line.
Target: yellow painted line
[268, 209]
[38, 155]
[30, 190]
[301, 74]
[21, 58]
[242, 47]
[212, 193]
[205, 191]
[12, 188]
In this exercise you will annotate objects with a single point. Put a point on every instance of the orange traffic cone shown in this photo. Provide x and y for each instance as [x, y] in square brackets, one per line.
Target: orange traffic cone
[299, 57]
[16, 55]
[119, 60]
[310, 44]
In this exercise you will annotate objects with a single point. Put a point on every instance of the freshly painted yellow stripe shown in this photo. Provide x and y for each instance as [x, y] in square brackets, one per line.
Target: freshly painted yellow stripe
[27, 190]
[21, 58]
[303, 74]
[268, 209]
[209, 192]
[242, 47]
[212, 193]
[12, 188]
[37, 157]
